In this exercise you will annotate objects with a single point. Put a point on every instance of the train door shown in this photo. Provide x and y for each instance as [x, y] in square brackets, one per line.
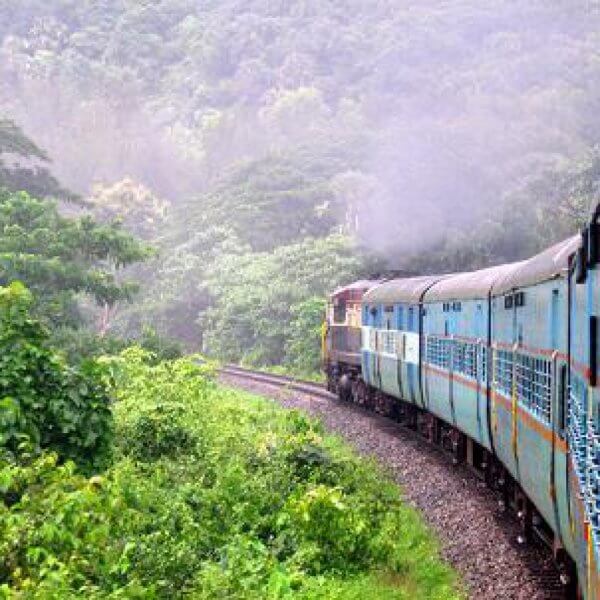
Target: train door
[373, 361]
[411, 368]
[449, 331]
[400, 369]
[480, 331]
[559, 316]
[377, 356]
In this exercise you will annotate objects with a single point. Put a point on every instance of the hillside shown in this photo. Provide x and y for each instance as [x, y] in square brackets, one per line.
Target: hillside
[440, 136]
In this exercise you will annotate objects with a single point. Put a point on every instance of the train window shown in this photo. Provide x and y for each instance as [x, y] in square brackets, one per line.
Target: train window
[503, 374]
[389, 308]
[580, 265]
[534, 384]
[593, 236]
[464, 359]
[520, 299]
[438, 351]
[388, 342]
[456, 306]
[562, 399]
[577, 423]
[339, 311]
[484, 374]
[508, 301]
[445, 307]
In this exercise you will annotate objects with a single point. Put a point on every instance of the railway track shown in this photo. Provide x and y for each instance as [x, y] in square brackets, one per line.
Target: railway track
[285, 381]
[478, 538]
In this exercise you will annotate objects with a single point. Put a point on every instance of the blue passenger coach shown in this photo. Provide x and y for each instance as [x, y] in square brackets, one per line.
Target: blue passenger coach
[456, 338]
[530, 379]
[391, 342]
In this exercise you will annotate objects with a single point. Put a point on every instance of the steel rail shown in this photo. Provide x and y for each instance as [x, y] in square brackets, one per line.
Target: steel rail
[282, 381]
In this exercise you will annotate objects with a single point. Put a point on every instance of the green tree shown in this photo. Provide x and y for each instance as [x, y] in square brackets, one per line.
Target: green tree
[303, 336]
[257, 295]
[23, 174]
[277, 200]
[58, 257]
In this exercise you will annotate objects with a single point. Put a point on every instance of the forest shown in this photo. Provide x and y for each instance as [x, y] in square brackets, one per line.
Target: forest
[259, 154]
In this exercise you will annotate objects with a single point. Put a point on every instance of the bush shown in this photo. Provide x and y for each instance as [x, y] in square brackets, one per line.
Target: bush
[44, 402]
[83, 344]
[212, 494]
[158, 431]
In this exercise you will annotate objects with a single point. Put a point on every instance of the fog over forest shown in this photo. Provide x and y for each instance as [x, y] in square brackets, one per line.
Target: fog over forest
[271, 150]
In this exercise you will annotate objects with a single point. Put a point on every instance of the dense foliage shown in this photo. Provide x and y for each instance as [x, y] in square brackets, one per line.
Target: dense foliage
[211, 494]
[447, 135]
[44, 402]
[26, 170]
[59, 257]
[224, 80]
[261, 300]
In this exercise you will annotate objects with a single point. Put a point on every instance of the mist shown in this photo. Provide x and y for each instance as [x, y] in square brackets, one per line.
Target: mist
[459, 104]
[513, 95]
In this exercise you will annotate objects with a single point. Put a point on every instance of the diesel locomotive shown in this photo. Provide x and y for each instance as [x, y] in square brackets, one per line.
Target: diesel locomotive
[500, 367]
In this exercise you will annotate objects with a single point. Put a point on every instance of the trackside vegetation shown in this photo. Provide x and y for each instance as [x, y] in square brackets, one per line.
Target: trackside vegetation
[188, 489]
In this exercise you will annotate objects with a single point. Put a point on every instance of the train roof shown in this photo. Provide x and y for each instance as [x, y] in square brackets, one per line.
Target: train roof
[407, 290]
[357, 287]
[552, 262]
[546, 265]
[470, 285]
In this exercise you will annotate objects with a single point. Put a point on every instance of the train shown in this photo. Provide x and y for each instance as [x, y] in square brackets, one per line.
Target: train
[500, 367]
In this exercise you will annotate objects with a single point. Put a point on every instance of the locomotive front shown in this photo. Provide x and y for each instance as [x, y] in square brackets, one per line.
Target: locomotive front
[341, 340]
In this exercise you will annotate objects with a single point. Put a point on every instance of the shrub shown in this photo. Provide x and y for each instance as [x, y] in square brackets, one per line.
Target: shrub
[211, 494]
[44, 402]
[158, 431]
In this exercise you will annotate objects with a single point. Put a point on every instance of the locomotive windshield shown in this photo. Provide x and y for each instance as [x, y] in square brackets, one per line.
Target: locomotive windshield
[339, 311]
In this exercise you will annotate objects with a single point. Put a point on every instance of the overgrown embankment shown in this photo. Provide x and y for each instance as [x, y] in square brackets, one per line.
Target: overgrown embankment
[203, 492]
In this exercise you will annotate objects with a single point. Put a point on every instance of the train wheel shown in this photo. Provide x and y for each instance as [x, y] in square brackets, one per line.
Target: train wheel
[380, 403]
[331, 383]
[458, 446]
[345, 388]
[359, 391]
[431, 429]
[525, 516]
